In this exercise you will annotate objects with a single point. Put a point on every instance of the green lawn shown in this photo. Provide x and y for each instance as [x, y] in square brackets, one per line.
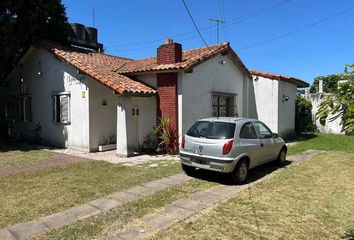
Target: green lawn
[16, 155]
[312, 201]
[27, 196]
[328, 142]
[98, 226]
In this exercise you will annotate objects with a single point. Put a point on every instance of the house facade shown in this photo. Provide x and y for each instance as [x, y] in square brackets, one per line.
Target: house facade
[275, 97]
[77, 98]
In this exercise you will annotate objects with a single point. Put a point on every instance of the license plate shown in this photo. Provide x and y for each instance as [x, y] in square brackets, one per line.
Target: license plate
[200, 161]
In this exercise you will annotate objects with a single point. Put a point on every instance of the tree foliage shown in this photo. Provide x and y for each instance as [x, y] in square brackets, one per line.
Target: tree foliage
[303, 115]
[330, 83]
[339, 104]
[23, 21]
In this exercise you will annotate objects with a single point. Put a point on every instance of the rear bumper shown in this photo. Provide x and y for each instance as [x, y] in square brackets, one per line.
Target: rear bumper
[225, 165]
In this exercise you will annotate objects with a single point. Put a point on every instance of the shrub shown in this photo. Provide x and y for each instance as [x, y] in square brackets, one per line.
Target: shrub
[167, 136]
[303, 115]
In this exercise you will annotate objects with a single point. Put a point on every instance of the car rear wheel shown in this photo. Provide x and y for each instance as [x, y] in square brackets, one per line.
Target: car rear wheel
[188, 169]
[240, 173]
[281, 157]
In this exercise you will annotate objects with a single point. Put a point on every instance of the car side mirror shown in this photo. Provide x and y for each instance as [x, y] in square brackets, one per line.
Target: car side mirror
[275, 135]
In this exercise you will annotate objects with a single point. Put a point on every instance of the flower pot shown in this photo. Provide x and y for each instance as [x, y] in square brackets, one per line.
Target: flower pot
[102, 148]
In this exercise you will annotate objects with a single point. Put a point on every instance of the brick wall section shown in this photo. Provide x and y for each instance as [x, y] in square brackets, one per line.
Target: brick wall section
[169, 53]
[167, 99]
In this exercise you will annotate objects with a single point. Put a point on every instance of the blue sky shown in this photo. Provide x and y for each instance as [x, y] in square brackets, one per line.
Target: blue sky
[136, 28]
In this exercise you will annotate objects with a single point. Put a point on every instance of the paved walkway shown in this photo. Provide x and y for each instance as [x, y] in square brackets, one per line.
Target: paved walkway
[35, 227]
[57, 160]
[150, 224]
[110, 156]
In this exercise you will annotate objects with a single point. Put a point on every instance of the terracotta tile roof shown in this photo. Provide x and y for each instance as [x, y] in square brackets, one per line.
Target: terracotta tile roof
[296, 81]
[99, 66]
[115, 72]
[190, 59]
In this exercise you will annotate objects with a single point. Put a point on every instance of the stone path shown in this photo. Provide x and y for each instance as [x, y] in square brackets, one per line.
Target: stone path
[300, 158]
[110, 156]
[177, 211]
[35, 227]
[57, 160]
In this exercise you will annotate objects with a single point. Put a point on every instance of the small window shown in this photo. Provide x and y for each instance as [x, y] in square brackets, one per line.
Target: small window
[248, 131]
[262, 130]
[224, 105]
[212, 130]
[61, 108]
[24, 111]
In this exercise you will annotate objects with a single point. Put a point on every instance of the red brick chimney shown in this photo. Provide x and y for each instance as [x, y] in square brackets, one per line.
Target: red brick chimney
[167, 83]
[169, 52]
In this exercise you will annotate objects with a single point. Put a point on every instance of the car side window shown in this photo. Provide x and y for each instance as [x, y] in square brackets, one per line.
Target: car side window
[248, 131]
[262, 130]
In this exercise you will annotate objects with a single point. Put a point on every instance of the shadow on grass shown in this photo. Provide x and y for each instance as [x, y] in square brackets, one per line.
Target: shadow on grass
[349, 235]
[253, 175]
[24, 147]
[305, 136]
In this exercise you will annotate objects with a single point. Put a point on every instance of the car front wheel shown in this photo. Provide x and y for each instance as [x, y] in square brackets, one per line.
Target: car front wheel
[240, 173]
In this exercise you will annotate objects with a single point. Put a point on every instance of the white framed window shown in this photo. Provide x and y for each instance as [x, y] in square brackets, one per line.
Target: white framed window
[61, 107]
[24, 108]
[224, 104]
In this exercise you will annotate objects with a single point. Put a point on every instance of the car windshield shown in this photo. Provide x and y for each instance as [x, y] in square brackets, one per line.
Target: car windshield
[212, 130]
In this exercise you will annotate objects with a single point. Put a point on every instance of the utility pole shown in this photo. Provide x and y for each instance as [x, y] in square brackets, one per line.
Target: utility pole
[217, 27]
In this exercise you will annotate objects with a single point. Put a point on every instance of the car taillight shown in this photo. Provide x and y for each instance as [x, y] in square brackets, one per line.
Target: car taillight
[227, 147]
[183, 142]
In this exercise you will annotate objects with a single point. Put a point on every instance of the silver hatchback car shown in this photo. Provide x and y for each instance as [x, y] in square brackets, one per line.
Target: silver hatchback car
[230, 145]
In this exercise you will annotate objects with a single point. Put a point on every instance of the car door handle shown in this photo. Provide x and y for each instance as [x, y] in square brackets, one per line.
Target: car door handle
[262, 145]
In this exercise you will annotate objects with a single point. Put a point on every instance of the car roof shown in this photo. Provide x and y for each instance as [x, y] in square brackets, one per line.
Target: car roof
[227, 119]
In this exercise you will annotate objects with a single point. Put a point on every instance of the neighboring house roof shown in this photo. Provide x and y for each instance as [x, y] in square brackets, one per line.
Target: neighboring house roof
[296, 81]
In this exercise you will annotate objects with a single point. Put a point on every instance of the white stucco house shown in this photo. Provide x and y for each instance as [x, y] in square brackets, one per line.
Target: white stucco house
[275, 97]
[78, 97]
[81, 98]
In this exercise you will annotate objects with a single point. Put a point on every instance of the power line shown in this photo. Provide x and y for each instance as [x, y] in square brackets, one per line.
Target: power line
[194, 23]
[232, 21]
[298, 29]
[222, 13]
[271, 39]
[196, 28]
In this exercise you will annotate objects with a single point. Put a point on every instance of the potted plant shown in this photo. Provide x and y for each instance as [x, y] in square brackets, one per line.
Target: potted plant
[107, 144]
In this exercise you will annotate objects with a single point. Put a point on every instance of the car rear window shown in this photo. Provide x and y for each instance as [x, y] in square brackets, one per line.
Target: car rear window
[212, 130]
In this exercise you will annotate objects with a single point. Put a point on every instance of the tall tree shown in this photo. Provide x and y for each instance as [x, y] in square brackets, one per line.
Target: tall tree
[340, 103]
[23, 21]
[330, 83]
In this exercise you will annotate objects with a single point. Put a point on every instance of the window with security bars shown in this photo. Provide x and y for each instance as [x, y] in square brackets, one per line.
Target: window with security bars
[224, 105]
[61, 108]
